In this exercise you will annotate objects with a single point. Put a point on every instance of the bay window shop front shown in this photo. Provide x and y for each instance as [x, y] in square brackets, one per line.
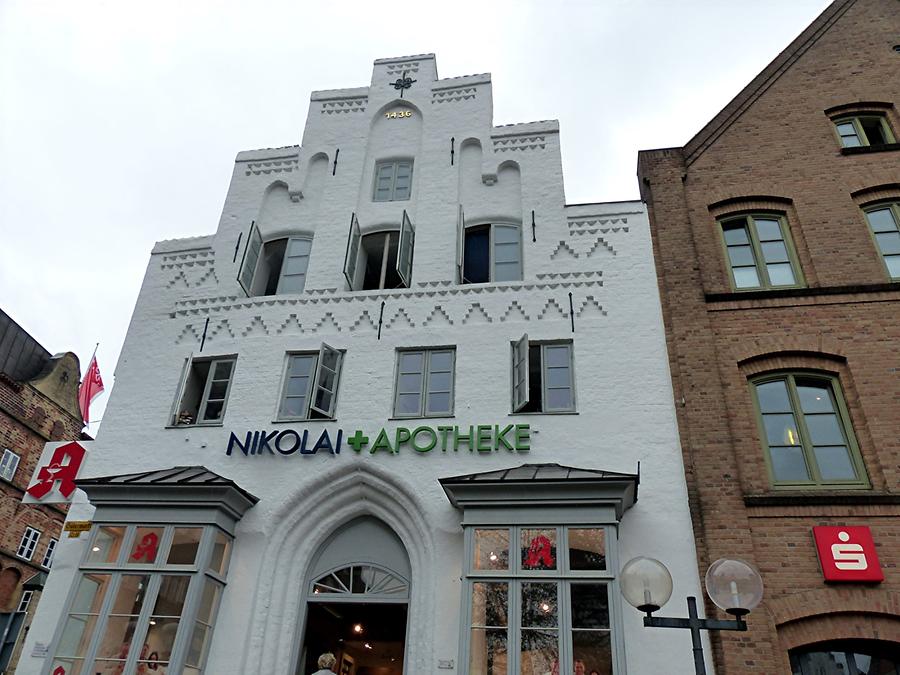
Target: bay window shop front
[541, 557]
[152, 575]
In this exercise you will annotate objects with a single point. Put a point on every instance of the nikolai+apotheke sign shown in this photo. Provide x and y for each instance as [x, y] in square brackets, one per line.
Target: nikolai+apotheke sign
[481, 438]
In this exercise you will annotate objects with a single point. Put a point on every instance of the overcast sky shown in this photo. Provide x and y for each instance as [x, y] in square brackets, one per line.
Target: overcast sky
[119, 120]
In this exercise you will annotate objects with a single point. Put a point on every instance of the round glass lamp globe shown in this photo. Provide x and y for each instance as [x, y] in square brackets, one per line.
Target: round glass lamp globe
[646, 583]
[734, 585]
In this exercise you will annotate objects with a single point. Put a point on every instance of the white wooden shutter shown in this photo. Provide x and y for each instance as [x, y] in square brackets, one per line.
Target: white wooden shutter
[250, 258]
[520, 374]
[352, 254]
[328, 374]
[405, 250]
[460, 243]
[179, 393]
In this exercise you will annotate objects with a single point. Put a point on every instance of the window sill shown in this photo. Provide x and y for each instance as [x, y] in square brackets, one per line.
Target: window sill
[422, 417]
[194, 426]
[559, 412]
[865, 149]
[803, 292]
[818, 497]
[302, 420]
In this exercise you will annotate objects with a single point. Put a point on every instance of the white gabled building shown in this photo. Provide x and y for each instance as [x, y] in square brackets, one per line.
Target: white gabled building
[396, 408]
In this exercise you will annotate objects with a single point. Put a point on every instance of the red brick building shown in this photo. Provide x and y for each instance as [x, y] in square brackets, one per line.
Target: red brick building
[776, 232]
[38, 403]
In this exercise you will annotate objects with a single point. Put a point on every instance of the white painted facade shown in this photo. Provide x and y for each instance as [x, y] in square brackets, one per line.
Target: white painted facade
[600, 253]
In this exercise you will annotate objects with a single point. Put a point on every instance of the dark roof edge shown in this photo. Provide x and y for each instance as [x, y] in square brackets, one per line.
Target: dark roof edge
[758, 85]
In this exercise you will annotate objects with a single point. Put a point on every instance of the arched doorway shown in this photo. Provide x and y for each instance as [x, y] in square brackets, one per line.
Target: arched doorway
[356, 597]
[846, 657]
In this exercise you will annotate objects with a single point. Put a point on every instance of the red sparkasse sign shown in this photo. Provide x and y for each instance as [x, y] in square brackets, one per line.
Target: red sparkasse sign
[847, 553]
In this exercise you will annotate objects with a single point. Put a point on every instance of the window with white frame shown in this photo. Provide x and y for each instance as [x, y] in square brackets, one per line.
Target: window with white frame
[311, 384]
[423, 385]
[146, 600]
[47, 562]
[24, 601]
[393, 181]
[538, 600]
[542, 377]
[379, 260]
[29, 542]
[489, 252]
[275, 267]
[204, 390]
[8, 464]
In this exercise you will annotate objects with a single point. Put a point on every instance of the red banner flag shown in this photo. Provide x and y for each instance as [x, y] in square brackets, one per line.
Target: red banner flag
[91, 387]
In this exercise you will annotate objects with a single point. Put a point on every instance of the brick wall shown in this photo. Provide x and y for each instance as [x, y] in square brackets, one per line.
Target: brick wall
[28, 419]
[775, 148]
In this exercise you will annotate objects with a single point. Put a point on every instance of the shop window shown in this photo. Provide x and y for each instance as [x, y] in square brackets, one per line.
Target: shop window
[380, 260]
[806, 431]
[310, 384]
[884, 224]
[204, 391]
[48, 554]
[393, 181]
[149, 607]
[542, 377]
[274, 267]
[29, 542]
[8, 464]
[538, 600]
[424, 383]
[25, 601]
[863, 130]
[490, 252]
[846, 657]
[760, 252]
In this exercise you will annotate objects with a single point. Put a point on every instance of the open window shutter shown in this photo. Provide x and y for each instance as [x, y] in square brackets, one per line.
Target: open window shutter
[405, 250]
[352, 251]
[460, 243]
[520, 374]
[251, 257]
[328, 374]
[179, 393]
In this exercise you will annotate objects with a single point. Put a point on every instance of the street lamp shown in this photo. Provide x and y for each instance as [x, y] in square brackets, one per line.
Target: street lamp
[733, 585]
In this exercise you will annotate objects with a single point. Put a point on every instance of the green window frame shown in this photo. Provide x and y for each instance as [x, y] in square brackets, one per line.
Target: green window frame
[146, 598]
[806, 432]
[866, 129]
[760, 252]
[884, 226]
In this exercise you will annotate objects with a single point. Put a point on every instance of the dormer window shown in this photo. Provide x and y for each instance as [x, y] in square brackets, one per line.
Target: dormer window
[863, 130]
[276, 266]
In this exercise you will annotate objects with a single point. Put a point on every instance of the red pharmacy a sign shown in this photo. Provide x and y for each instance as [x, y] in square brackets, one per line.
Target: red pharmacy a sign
[847, 554]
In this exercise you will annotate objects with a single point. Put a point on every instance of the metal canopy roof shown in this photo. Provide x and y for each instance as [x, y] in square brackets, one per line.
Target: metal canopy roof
[539, 472]
[178, 476]
[542, 486]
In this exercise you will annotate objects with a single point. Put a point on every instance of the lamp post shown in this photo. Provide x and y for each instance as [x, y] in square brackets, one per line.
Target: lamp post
[733, 585]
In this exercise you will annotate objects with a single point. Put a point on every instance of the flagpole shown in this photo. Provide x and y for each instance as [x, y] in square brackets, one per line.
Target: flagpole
[81, 384]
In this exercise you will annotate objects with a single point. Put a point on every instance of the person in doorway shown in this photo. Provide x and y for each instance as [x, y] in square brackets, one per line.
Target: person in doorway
[579, 667]
[326, 664]
[595, 672]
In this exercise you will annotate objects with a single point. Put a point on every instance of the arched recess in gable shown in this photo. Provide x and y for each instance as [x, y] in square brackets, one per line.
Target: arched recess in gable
[316, 175]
